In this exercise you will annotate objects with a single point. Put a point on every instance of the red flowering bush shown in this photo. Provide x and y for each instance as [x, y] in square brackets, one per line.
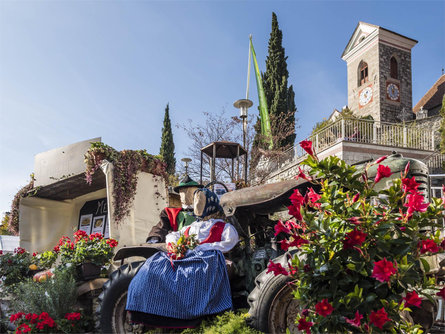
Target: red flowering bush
[86, 248]
[359, 245]
[14, 267]
[42, 323]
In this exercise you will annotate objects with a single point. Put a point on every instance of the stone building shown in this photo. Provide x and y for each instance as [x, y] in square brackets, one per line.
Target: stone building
[380, 97]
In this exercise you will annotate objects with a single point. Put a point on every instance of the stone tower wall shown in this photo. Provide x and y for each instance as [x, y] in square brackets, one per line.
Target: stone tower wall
[392, 111]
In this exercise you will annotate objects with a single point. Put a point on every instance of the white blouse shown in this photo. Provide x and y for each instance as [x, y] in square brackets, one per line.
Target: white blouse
[229, 236]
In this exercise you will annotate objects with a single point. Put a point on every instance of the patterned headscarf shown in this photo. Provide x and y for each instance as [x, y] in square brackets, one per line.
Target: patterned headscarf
[211, 204]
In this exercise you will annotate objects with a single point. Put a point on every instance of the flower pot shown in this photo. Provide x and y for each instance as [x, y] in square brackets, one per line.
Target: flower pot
[87, 271]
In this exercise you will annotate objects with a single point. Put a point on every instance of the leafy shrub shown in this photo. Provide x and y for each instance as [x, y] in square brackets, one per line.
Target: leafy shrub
[14, 267]
[227, 323]
[360, 264]
[56, 296]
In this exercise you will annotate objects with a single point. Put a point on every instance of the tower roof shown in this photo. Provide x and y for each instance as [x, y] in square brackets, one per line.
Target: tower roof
[366, 32]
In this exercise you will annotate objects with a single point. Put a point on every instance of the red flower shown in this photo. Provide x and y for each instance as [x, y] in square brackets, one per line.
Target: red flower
[355, 198]
[1, 252]
[412, 298]
[302, 175]
[56, 249]
[323, 308]
[379, 318]
[34, 254]
[307, 146]
[415, 202]
[354, 238]
[356, 321]
[442, 244]
[428, 245]
[383, 270]
[405, 173]
[284, 245]
[79, 235]
[296, 198]
[23, 328]
[96, 236]
[313, 198]
[441, 293]
[112, 243]
[355, 220]
[280, 227]
[379, 160]
[382, 171]
[276, 268]
[19, 250]
[294, 210]
[307, 268]
[304, 325]
[43, 316]
[73, 316]
[409, 185]
[16, 316]
[298, 241]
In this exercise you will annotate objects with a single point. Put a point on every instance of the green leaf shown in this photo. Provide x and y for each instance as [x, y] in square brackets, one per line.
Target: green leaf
[426, 266]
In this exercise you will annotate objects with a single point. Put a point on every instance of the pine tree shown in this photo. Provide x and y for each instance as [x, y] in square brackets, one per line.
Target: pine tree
[167, 150]
[280, 98]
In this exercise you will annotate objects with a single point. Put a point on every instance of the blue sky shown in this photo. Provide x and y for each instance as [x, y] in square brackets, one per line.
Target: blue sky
[74, 70]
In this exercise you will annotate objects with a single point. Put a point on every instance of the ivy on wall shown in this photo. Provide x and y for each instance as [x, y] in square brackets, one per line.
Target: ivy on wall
[127, 164]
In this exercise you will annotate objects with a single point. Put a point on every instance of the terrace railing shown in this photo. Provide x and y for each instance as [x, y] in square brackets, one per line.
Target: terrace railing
[406, 135]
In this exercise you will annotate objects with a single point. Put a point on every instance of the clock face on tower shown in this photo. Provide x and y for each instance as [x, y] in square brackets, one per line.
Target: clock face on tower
[392, 92]
[365, 96]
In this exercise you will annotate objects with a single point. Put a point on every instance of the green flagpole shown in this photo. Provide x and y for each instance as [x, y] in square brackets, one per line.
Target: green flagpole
[264, 113]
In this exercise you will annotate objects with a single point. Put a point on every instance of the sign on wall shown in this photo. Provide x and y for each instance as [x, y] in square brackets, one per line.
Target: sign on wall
[93, 217]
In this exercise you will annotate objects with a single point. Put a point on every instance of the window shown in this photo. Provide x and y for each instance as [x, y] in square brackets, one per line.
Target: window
[393, 68]
[363, 73]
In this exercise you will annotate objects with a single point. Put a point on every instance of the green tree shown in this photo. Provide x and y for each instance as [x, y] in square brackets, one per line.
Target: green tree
[280, 97]
[167, 150]
[442, 126]
[4, 225]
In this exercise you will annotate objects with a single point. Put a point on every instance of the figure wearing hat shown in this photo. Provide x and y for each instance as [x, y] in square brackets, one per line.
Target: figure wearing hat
[174, 219]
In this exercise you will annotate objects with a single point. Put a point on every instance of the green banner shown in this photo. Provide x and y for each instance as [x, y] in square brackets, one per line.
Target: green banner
[264, 113]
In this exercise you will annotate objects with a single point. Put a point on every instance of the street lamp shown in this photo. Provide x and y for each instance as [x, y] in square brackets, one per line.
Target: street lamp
[243, 105]
[186, 164]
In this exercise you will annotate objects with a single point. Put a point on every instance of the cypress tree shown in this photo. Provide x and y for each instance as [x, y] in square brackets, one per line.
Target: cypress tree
[280, 98]
[442, 126]
[167, 150]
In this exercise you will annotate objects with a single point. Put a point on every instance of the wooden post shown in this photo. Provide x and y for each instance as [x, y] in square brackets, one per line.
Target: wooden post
[213, 176]
[200, 179]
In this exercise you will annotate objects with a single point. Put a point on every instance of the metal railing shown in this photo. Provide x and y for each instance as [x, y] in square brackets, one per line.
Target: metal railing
[364, 131]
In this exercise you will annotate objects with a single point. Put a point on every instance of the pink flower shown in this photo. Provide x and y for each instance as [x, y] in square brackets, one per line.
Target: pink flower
[405, 173]
[304, 325]
[383, 270]
[412, 298]
[382, 171]
[354, 238]
[323, 308]
[379, 318]
[409, 185]
[313, 198]
[379, 160]
[284, 245]
[296, 198]
[307, 146]
[441, 293]
[280, 227]
[355, 220]
[415, 202]
[428, 245]
[276, 269]
[356, 321]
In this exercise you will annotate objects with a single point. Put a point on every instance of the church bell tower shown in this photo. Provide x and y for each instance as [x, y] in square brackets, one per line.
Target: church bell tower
[379, 73]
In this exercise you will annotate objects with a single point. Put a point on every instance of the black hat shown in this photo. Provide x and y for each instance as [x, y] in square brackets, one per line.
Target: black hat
[187, 182]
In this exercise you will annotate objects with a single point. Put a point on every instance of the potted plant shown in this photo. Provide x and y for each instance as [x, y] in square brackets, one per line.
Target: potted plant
[88, 253]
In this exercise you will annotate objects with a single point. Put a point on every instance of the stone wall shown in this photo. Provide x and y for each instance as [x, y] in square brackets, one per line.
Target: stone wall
[391, 111]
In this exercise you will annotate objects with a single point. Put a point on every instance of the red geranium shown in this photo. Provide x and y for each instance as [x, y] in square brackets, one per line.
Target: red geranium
[383, 270]
[304, 325]
[73, 316]
[412, 298]
[112, 243]
[356, 321]
[379, 318]
[323, 308]
[23, 328]
[382, 171]
[79, 235]
[276, 269]
[428, 245]
[354, 238]
[307, 146]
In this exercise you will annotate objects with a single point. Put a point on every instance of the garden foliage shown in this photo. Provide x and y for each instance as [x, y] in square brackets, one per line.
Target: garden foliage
[360, 265]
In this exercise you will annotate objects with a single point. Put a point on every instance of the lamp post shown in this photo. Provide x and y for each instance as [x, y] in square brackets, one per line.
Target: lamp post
[243, 105]
[186, 164]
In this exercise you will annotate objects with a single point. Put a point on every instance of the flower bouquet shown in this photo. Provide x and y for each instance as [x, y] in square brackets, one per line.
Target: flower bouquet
[178, 250]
